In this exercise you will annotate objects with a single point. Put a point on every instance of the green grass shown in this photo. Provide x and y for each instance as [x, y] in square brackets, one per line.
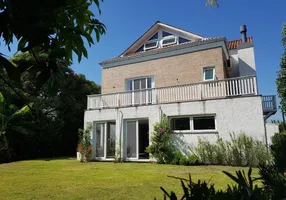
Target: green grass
[70, 179]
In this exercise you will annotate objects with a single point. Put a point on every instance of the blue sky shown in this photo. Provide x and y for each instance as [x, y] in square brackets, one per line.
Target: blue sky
[129, 19]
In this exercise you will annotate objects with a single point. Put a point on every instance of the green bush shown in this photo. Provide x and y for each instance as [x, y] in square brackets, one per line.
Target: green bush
[84, 143]
[272, 187]
[162, 147]
[278, 150]
[241, 150]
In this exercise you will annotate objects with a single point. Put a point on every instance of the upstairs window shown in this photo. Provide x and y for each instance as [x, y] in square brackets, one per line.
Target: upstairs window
[169, 40]
[154, 37]
[139, 83]
[164, 34]
[209, 74]
[150, 45]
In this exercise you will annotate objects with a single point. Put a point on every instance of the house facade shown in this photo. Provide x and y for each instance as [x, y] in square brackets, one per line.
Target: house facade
[206, 86]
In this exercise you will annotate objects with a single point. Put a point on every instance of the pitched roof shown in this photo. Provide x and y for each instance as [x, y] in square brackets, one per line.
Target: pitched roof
[152, 30]
[235, 43]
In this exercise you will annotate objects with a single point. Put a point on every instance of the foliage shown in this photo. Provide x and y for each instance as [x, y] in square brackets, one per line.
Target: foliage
[180, 159]
[9, 117]
[281, 79]
[244, 190]
[241, 150]
[54, 120]
[84, 143]
[278, 150]
[162, 147]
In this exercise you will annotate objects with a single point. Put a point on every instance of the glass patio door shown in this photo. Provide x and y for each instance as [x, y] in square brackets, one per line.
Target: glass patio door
[131, 139]
[137, 139]
[105, 138]
[110, 140]
[99, 138]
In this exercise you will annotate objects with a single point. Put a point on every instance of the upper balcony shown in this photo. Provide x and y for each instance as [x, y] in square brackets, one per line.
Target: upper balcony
[240, 86]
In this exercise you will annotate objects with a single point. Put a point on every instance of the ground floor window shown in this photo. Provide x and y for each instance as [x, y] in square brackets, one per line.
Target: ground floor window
[193, 123]
[204, 123]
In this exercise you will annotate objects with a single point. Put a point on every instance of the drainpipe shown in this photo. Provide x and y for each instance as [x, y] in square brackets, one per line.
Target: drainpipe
[120, 134]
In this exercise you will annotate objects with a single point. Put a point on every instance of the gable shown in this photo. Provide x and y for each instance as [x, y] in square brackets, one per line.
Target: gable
[158, 36]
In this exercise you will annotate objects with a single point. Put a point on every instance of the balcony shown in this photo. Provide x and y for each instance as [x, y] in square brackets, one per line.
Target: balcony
[269, 105]
[241, 86]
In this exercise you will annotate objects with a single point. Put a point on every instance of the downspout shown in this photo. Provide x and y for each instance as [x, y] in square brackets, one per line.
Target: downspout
[120, 134]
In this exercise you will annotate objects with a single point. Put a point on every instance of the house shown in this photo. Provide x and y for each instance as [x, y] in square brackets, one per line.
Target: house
[206, 86]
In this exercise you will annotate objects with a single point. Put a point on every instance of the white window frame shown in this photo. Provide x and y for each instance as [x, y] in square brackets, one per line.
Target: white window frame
[137, 140]
[167, 38]
[153, 47]
[136, 78]
[208, 68]
[192, 124]
[105, 139]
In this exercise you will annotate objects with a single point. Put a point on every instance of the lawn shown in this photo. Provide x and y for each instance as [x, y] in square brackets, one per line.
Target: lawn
[70, 179]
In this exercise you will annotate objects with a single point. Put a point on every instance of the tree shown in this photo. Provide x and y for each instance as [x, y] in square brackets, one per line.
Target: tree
[8, 114]
[56, 28]
[281, 79]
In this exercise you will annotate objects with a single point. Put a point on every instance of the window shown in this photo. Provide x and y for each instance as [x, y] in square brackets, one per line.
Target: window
[164, 34]
[139, 83]
[150, 45]
[181, 123]
[183, 40]
[140, 49]
[209, 74]
[154, 37]
[169, 40]
[193, 124]
[204, 123]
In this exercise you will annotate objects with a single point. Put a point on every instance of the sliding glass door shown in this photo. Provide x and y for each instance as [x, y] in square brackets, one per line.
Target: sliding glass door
[105, 135]
[110, 140]
[137, 139]
[100, 135]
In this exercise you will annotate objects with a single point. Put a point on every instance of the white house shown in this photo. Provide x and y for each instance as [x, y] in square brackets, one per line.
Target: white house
[206, 86]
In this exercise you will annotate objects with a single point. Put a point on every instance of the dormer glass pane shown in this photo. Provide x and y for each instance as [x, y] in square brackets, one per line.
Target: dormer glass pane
[151, 45]
[154, 37]
[182, 40]
[140, 49]
[164, 33]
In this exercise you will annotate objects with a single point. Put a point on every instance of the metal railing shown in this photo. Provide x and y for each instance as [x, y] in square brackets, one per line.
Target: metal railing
[178, 93]
[269, 103]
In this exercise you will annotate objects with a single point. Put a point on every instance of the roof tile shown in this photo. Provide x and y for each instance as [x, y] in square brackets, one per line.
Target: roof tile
[235, 43]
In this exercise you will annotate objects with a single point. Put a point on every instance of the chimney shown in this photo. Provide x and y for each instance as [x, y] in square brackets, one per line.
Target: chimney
[243, 31]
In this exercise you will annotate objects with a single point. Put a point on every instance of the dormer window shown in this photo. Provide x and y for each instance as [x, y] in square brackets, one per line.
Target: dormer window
[152, 44]
[169, 40]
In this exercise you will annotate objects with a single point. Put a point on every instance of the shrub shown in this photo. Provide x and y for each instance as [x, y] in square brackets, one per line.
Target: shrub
[278, 150]
[162, 147]
[244, 190]
[84, 144]
[241, 150]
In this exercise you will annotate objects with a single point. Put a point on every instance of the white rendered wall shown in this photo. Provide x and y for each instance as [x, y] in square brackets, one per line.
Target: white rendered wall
[246, 61]
[233, 115]
[271, 129]
[233, 63]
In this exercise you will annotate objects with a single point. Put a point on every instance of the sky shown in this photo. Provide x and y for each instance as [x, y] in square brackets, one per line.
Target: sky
[127, 20]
